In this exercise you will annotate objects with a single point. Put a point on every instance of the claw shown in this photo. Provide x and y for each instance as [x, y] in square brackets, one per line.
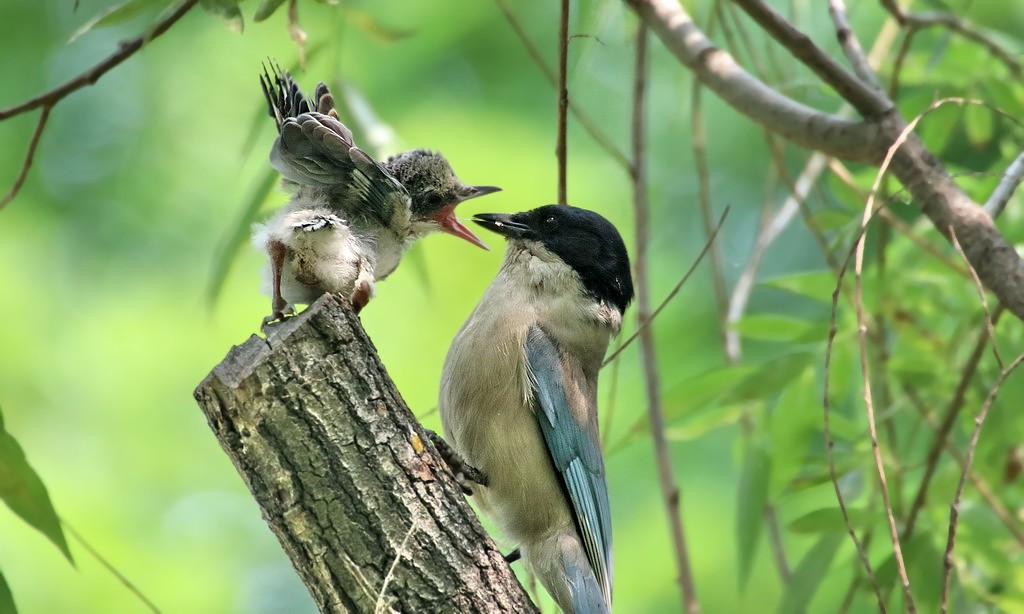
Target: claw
[465, 474]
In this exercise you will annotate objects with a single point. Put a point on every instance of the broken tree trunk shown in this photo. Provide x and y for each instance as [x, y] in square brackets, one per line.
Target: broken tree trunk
[345, 476]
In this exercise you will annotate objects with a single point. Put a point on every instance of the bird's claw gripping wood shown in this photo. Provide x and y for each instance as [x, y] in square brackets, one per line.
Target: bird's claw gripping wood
[465, 474]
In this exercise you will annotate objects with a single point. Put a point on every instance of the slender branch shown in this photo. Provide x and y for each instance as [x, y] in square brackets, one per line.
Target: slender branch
[109, 567]
[851, 46]
[588, 124]
[675, 290]
[47, 100]
[717, 70]
[862, 331]
[669, 487]
[989, 327]
[869, 102]
[563, 98]
[1001, 195]
[296, 32]
[954, 508]
[125, 50]
[29, 156]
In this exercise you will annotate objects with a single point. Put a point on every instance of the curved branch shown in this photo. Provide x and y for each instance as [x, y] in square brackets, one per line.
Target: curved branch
[830, 134]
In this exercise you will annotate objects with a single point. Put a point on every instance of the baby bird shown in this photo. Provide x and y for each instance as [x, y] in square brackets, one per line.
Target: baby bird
[319, 254]
[385, 207]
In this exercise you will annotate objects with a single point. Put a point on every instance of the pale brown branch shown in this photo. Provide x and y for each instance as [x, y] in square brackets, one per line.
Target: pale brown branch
[1007, 185]
[981, 295]
[954, 508]
[563, 98]
[296, 32]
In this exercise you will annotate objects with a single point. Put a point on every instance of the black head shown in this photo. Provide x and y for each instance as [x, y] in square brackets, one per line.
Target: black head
[584, 240]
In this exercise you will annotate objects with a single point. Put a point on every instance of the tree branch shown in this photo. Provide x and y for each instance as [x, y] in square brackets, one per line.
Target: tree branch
[345, 476]
[1001, 195]
[563, 99]
[830, 134]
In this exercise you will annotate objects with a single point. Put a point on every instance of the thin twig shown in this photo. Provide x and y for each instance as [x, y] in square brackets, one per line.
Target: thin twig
[563, 98]
[675, 290]
[109, 567]
[986, 491]
[851, 46]
[588, 124]
[47, 100]
[1001, 195]
[946, 426]
[901, 58]
[669, 487]
[296, 32]
[29, 156]
[958, 25]
[981, 294]
[954, 508]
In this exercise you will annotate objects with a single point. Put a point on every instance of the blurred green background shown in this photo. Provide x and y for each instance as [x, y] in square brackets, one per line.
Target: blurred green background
[107, 257]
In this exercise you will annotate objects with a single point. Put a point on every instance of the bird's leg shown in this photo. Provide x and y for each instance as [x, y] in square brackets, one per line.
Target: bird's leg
[361, 296]
[276, 249]
[465, 474]
[513, 556]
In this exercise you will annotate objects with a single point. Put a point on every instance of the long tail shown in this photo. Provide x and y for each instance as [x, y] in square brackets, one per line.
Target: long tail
[285, 99]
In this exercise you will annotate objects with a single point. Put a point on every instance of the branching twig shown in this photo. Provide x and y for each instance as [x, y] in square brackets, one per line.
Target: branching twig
[954, 508]
[1001, 195]
[958, 25]
[47, 100]
[563, 98]
[669, 487]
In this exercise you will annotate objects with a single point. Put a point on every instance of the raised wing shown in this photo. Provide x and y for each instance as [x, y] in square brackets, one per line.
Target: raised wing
[315, 149]
[570, 431]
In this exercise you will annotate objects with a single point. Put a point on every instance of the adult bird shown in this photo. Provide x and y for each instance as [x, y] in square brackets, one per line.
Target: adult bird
[384, 208]
[518, 396]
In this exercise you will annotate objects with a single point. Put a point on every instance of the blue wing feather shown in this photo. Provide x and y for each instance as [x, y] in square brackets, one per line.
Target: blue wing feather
[576, 453]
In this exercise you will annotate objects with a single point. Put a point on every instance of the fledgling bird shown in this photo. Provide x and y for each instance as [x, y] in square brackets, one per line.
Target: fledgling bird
[518, 396]
[386, 207]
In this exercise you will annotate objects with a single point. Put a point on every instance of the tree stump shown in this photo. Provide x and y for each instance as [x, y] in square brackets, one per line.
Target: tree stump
[345, 476]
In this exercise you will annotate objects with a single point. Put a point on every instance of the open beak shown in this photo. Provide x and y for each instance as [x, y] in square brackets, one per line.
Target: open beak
[450, 224]
[503, 224]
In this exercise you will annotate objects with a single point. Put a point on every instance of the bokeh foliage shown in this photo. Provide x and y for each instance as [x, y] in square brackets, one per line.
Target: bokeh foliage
[142, 180]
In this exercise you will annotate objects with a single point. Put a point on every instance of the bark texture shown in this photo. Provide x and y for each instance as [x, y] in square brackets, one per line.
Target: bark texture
[345, 476]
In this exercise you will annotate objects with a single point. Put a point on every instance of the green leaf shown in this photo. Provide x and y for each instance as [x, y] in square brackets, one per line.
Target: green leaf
[706, 421]
[817, 285]
[239, 234]
[228, 10]
[809, 574]
[793, 426]
[117, 14]
[266, 9]
[978, 123]
[774, 327]
[752, 498]
[6, 598]
[23, 491]
[829, 520]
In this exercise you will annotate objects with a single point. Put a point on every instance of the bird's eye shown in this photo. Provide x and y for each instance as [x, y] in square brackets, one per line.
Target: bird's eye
[550, 222]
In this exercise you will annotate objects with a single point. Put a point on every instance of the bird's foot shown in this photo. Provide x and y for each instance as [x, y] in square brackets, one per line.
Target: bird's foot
[465, 474]
[513, 556]
[278, 314]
